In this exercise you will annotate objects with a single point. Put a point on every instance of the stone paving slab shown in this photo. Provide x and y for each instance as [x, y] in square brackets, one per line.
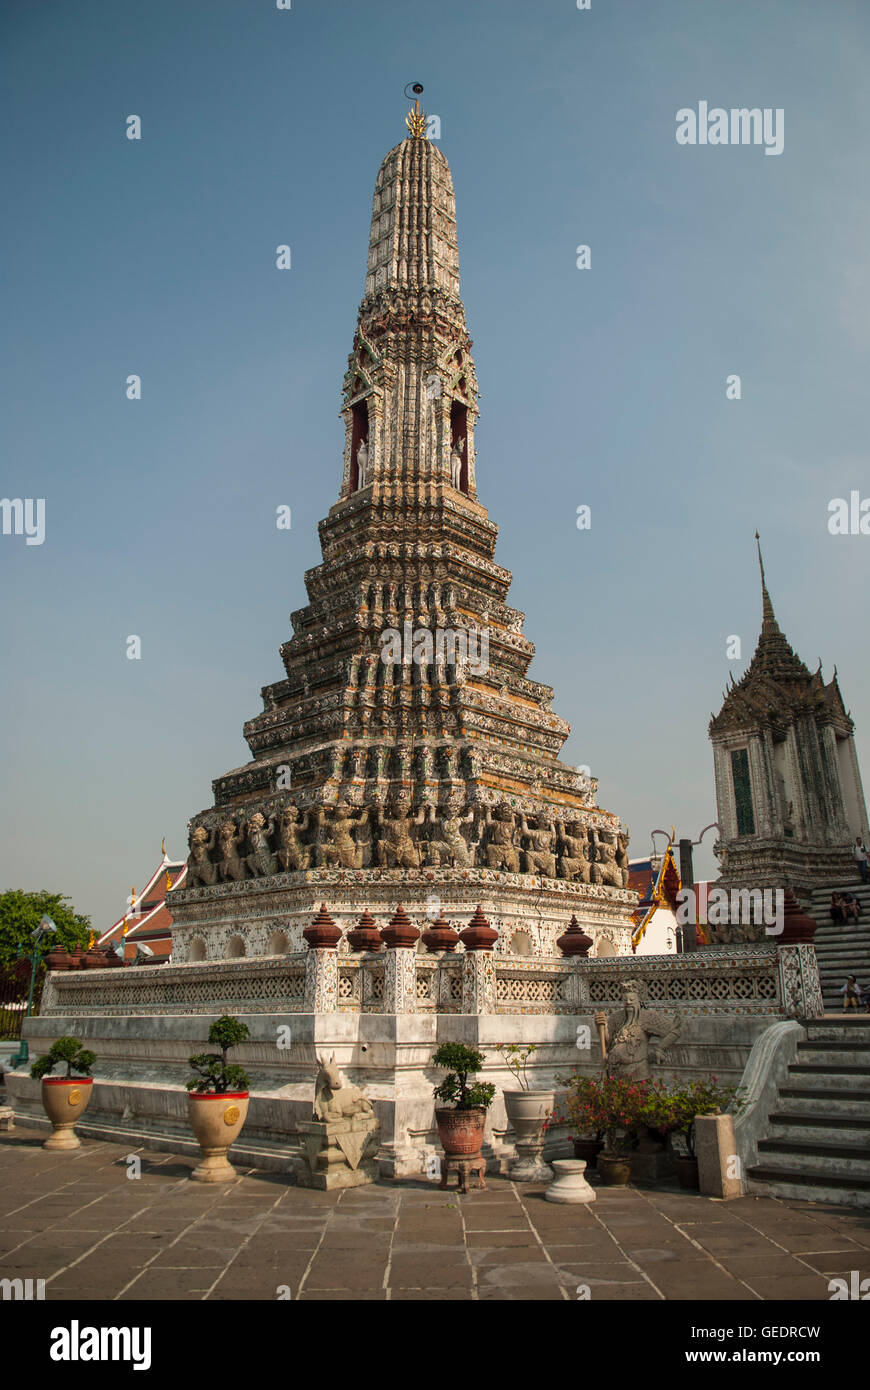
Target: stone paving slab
[93, 1233]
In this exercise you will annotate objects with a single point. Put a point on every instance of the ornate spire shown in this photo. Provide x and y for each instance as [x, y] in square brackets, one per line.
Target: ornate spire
[775, 679]
[774, 656]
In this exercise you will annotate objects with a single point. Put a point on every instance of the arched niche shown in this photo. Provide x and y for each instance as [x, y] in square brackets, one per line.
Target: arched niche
[359, 432]
[521, 944]
[197, 949]
[235, 947]
[605, 947]
[278, 944]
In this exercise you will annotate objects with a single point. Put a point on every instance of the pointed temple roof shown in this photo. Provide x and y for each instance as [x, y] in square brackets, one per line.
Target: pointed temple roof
[776, 685]
[148, 918]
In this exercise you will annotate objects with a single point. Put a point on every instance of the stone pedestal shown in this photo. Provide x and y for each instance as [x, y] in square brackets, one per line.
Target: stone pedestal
[464, 1167]
[7, 1118]
[718, 1161]
[569, 1184]
[338, 1153]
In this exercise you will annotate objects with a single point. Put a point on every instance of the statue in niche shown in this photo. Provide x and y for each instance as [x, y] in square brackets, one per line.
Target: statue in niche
[540, 857]
[571, 846]
[639, 1036]
[396, 847]
[456, 464]
[230, 862]
[500, 848]
[362, 465]
[448, 845]
[605, 869]
[260, 860]
[335, 836]
[333, 1100]
[293, 852]
[200, 867]
[622, 856]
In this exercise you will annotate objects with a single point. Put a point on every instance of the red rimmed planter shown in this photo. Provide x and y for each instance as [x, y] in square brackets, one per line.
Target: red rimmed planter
[461, 1131]
[217, 1121]
[64, 1100]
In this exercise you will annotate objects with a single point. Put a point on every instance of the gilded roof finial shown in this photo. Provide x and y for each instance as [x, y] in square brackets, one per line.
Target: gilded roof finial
[416, 118]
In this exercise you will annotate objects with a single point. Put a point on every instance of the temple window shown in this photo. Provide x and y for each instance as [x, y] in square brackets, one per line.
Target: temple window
[742, 791]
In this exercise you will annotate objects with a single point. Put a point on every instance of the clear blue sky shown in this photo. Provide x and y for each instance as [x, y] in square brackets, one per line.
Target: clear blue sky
[604, 387]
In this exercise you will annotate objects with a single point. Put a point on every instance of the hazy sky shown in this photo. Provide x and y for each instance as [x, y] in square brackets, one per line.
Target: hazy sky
[604, 386]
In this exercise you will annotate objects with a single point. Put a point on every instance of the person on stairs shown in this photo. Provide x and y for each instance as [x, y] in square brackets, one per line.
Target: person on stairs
[851, 906]
[853, 995]
[859, 849]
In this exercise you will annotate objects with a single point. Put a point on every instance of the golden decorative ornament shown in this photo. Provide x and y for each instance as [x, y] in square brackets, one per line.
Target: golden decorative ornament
[416, 122]
[231, 1114]
[73, 1096]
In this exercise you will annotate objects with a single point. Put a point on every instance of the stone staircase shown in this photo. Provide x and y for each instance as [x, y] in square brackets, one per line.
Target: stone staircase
[818, 1144]
[841, 950]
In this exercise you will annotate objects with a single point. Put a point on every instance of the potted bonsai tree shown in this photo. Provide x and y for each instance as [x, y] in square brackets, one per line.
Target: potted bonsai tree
[217, 1103]
[707, 1096]
[461, 1126]
[65, 1098]
[528, 1110]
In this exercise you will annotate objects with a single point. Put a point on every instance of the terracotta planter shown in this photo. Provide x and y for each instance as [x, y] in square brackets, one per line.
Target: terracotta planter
[687, 1171]
[614, 1169]
[65, 1100]
[94, 959]
[588, 1150]
[461, 1131]
[217, 1121]
[77, 959]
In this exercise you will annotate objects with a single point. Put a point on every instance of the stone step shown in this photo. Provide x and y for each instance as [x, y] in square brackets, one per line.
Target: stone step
[780, 1180]
[817, 1157]
[847, 1054]
[822, 1127]
[839, 1074]
[811, 1101]
[850, 1027]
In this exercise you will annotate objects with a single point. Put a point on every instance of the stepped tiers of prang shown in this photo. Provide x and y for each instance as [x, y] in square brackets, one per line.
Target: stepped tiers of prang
[406, 755]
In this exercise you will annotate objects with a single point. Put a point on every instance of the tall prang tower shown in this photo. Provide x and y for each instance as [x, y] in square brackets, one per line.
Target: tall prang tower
[788, 786]
[406, 755]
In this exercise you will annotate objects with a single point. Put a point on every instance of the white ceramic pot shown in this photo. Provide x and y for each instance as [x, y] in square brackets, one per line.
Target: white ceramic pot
[526, 1112]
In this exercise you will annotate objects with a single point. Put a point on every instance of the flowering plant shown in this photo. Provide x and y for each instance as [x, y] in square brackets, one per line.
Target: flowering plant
[612, 1106]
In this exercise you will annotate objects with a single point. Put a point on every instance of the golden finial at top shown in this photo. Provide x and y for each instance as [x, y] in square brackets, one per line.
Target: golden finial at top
[416, 119]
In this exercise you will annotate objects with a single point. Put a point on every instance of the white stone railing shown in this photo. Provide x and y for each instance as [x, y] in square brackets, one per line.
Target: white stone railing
[763, 980]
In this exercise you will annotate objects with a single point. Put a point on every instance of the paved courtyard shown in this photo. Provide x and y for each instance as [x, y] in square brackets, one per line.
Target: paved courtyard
[91, 1232]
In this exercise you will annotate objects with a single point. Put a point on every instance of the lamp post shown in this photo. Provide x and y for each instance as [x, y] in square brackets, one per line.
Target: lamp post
[45, 929]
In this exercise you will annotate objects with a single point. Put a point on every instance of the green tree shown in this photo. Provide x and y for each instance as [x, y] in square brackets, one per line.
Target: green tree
[20, 915]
